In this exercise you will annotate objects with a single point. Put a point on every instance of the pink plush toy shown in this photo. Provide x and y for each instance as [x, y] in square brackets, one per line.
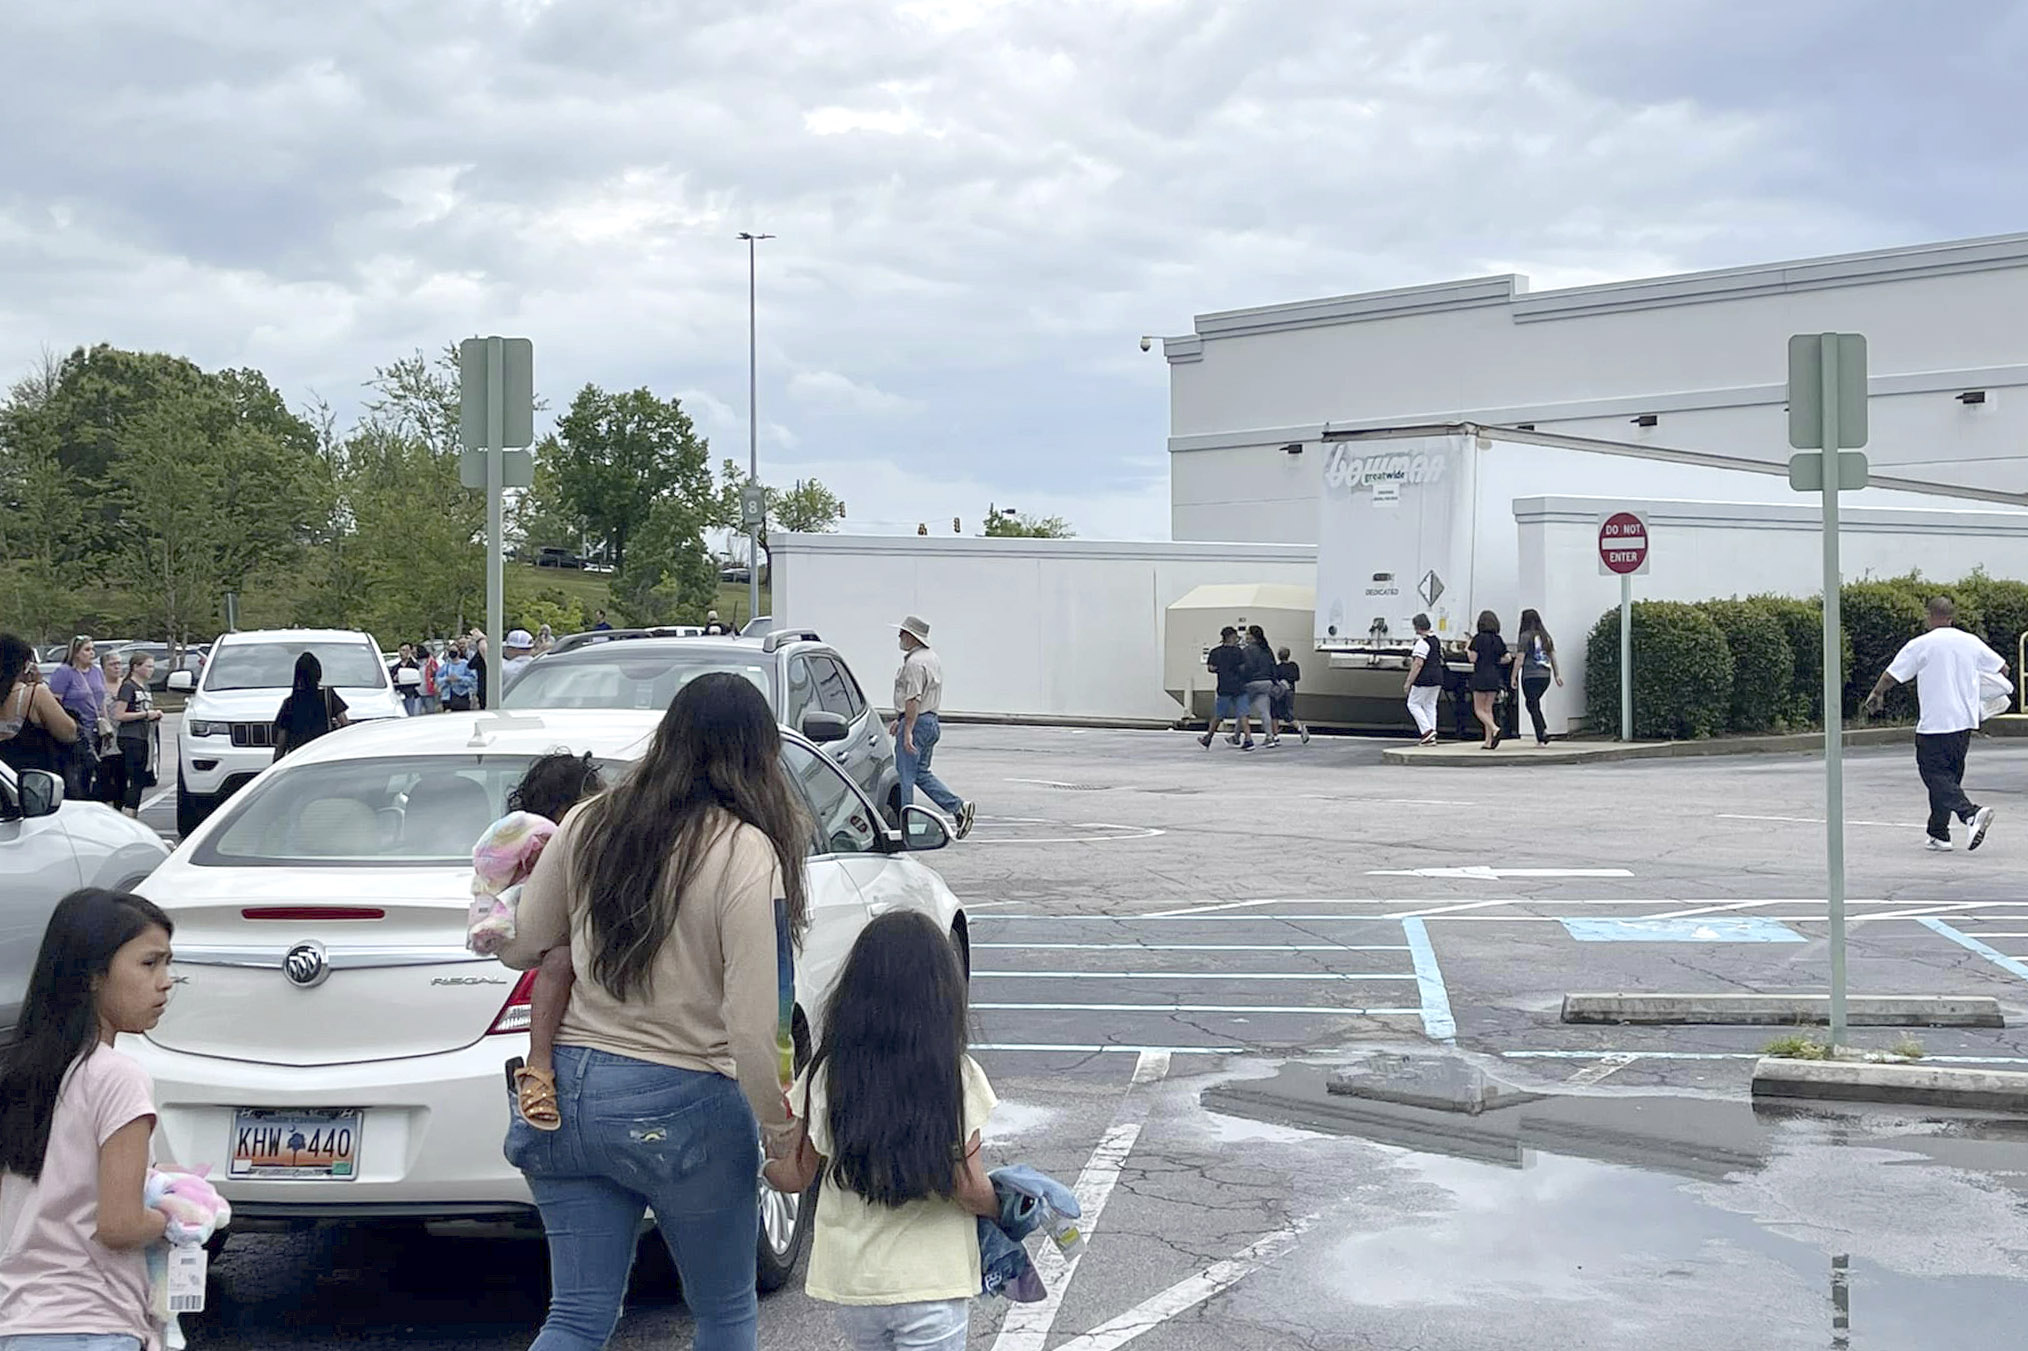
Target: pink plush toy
[195, 1209]
[501, 861]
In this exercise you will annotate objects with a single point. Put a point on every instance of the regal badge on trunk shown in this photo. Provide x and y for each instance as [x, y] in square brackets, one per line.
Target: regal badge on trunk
[306, 966]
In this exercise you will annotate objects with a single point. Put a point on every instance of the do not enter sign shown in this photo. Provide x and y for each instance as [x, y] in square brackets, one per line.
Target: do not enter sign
[1623, 544]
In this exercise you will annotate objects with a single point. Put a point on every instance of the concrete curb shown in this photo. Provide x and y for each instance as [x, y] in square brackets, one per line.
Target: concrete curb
[1861, 1081]
[1456, 754]
[1779, 1010]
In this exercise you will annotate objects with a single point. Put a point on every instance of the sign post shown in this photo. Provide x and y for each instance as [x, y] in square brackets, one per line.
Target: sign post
[1623, 552]
[496, 410]
[1827, 415]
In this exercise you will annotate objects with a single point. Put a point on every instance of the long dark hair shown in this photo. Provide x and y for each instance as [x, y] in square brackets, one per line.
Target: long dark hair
[717, 751]
[1254, 632]
[15, 654]
[309, 673]
[1531, 623]
[894, 1052]
[60, 1014]
[555, 783]
[1488, 622]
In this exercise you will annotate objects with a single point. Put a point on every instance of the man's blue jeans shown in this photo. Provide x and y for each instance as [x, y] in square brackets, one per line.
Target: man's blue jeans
[915, 769]
[638, 1136]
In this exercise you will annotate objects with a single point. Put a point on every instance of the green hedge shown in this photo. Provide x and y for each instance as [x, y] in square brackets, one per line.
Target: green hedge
[1682, 672]
[1802, 623]
[1765, 671]
[1763, 663]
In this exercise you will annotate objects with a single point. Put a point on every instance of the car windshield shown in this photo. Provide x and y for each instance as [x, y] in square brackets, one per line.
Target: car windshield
[363, 813]
[629, 674]
[272, 666]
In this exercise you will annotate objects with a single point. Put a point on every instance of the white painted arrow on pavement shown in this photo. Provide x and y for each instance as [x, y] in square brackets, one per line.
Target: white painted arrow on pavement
[1480, 873]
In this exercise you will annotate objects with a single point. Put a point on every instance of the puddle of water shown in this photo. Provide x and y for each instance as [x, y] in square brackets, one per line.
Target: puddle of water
[1665, 1224]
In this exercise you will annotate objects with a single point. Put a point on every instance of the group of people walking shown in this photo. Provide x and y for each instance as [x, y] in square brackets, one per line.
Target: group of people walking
[94, 722]
[1255, 684]
[1528, 667]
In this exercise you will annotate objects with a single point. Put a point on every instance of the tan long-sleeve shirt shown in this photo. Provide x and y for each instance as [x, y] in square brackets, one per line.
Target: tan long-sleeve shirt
[710, 1003]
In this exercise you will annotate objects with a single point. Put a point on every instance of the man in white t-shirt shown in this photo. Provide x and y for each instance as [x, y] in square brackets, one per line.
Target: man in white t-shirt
[1945, 664]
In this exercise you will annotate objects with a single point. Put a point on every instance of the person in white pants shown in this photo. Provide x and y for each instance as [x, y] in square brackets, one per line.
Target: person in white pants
[1425, 681]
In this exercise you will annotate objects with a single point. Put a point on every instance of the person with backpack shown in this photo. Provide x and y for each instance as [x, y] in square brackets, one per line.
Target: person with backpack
[1425, 681]
[889, 1114]
[310, 711]
[76, 1119]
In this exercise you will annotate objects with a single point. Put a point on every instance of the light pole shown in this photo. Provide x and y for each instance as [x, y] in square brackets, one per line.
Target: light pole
[752, 427]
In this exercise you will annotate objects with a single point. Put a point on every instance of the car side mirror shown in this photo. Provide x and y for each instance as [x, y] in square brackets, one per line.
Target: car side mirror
[922, 829]
[824, 728]
[182, 682]
[41, 793]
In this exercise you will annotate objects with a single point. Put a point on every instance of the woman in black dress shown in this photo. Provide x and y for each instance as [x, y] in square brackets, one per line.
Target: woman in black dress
[1489, 677]
[35, 732]
[310, 710]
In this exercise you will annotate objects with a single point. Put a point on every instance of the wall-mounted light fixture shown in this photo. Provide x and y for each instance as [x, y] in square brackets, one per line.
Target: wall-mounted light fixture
[1524, 426]
[1972, 397]
[1647, 420]
[1293, 448]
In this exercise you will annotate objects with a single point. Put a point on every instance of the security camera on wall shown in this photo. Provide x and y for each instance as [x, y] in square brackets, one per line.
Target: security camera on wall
[1146, 343]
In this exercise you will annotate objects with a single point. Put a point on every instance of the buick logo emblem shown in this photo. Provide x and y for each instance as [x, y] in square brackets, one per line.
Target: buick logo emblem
[306, 966]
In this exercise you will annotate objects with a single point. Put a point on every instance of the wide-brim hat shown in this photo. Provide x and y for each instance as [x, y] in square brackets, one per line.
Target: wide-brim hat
[916, 628]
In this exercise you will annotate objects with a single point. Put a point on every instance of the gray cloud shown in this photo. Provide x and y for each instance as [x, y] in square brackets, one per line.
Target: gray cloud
[980, 205]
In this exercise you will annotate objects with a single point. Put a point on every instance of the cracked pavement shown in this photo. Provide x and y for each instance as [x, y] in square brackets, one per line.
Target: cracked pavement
[1405, 1247]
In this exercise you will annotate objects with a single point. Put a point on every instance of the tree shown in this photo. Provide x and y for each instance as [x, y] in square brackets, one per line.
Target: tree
[622, 456]
[1010, 525]
[808, 508]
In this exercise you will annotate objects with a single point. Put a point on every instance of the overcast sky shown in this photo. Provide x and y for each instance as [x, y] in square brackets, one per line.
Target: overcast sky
[981, 206]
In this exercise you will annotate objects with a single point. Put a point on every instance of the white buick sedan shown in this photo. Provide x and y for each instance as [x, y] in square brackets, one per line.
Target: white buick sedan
[334, 1052]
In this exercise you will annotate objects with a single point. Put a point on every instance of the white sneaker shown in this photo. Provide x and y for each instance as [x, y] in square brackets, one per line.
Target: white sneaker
[966, 812]
[1304, 733]
[1982, 821]
[1936, 846]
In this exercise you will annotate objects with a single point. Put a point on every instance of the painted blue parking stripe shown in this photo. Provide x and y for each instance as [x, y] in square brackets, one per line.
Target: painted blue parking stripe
[1735, 929]
[1971, 944]
[1437, 1023]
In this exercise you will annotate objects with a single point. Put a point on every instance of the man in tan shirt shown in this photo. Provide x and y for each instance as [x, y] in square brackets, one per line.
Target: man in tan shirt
[918, 694]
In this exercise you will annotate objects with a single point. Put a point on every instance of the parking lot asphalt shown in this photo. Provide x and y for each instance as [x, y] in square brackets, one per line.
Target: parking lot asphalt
[1150, 919]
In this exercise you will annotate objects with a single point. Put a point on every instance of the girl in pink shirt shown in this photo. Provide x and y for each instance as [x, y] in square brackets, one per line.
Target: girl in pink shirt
[75, 1120]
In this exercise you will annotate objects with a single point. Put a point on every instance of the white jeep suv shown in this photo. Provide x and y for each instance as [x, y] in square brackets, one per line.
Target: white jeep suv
[228, 732]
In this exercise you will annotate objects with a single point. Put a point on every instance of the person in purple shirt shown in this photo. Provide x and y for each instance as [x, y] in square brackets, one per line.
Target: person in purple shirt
[81, 689]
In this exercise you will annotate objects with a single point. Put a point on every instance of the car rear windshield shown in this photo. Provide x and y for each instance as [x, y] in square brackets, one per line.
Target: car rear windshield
[272, 666]
[623, 675]
[368, 813]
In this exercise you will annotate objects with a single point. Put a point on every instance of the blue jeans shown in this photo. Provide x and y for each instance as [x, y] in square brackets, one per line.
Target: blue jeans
[71, 1341]
[932, 1325]
[638, 1136]
[915, 769]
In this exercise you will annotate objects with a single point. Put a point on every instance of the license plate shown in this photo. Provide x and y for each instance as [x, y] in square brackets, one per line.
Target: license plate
[295, 1143]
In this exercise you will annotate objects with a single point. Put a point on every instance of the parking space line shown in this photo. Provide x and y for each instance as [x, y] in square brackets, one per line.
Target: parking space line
[1602, 1068]
[1192, 975]
[1817, 821]
[1437, 1022]
[1206, 1008]
[1188, 1293]
[162, 796]
[1197, 947]
[1971, 944]
[1094, 1048]
[1027, 1326]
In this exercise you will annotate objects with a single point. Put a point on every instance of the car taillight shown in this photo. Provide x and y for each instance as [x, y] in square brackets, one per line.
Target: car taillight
[518, 1012]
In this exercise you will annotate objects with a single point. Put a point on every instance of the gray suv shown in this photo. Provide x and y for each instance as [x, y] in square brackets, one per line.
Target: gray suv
[806, 682]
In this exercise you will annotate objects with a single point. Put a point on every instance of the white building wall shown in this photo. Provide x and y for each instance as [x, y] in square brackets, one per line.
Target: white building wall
[1701, 550]
[1705, 352]
[1050, 628]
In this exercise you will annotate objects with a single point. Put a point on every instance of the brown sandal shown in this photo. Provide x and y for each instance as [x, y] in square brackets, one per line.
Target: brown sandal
[535, 1095]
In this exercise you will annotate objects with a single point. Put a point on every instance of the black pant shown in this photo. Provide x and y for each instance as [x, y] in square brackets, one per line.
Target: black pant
[1940, 759]
[1531, 690]
[134, 759]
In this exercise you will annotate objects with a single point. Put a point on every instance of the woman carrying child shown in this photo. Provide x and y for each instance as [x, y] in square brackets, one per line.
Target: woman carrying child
[666, 889]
